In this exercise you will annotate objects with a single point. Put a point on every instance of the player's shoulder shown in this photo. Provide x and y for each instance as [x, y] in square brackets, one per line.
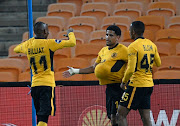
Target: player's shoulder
[104, 48]
[123, 47]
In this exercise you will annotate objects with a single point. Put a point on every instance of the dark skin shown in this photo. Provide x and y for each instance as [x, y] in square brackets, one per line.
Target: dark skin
[123, 111]
[42, 31]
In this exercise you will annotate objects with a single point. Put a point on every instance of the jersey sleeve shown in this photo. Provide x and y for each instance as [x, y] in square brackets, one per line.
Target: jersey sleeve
[98, 60]
[22, 48]
[59, 44]
[157, 59]
[132, 59]
[125, 54]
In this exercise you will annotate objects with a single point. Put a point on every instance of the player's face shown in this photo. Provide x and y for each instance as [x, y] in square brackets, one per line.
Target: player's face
[131, 32]
[111, 38]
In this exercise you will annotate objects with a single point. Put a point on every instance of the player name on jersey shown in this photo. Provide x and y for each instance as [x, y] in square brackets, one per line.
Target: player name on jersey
[35, 50]
[148, 47]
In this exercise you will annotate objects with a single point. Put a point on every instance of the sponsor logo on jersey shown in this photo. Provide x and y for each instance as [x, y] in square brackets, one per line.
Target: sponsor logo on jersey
[57, 41]
[114, 55]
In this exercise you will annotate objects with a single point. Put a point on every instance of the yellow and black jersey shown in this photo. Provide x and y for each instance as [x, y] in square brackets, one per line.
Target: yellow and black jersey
[40, 55]
[142, 54]
[111, 64]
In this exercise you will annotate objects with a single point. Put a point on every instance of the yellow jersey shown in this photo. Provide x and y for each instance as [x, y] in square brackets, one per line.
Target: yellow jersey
[142, 54]
[111, 64]
[40, 55]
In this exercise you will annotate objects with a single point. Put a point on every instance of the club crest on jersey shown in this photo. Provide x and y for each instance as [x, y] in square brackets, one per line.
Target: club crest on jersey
[57, 41]
[114, 55]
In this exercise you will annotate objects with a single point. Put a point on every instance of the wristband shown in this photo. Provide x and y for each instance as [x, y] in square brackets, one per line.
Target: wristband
[76, 71]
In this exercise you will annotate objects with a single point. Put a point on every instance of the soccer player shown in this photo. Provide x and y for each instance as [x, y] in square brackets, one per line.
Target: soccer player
[109, 68]
[39, 51]
[142, 54]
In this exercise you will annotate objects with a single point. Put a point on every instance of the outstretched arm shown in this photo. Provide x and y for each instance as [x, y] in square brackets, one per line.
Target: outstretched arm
[73, 71]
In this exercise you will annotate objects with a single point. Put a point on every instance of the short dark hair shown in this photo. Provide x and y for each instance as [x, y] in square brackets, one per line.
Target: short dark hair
[38, 27]
[138, 27]
[114, 28]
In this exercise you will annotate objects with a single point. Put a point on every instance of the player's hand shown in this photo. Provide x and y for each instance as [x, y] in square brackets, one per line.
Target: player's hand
[123, 86]
[70, 72]
[68, 31]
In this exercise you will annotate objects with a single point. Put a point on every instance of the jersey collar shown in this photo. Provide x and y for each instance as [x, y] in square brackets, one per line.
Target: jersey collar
[113, 47]
[139, 38]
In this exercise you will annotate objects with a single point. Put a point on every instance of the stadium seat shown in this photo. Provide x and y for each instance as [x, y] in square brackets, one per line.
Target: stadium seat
[26, 36]
[98, 37]
[152, 22]
[122, 21]
[178, 49]
[126, 43]
[169, 35]
[83, 23]
[24, 77]
[108, 1]
[147, 34]
[8, 77]
[164, 8]
[61, 66]
[62, 53]
[55, 24]
[81, 36]
[170, 63]
[174, 22]
[164, 48]
[15, 66]
[88, 51]
[126, 37]
[111, 2]
[65, 10]
[97, 10]
[78, 4]
[167, 74]
[130, 9]
[146, 1]
[89, 77]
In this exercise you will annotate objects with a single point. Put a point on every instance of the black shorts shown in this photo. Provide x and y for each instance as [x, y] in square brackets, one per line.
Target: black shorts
[137, 97]
[113, 96]
[44, 100]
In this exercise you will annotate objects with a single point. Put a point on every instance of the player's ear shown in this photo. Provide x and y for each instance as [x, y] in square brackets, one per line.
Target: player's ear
[118, 37]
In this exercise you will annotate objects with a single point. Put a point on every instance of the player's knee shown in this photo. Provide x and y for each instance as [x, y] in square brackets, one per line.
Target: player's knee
[146, 121]
[43, 118]
[121, 116]
[114, 120]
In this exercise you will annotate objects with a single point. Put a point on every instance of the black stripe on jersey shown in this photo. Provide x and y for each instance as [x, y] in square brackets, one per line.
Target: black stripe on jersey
[136, 63]
[117, 66]
[51, 58]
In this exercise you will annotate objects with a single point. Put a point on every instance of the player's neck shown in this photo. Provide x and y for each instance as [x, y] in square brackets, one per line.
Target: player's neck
[113, 46]
[40, 37]
[138, 36]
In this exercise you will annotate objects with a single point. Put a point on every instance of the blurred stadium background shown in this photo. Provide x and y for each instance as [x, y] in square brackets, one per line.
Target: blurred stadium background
[81, 105]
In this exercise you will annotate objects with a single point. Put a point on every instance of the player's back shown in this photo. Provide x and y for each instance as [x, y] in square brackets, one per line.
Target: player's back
[145, 52]
[40, 57]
